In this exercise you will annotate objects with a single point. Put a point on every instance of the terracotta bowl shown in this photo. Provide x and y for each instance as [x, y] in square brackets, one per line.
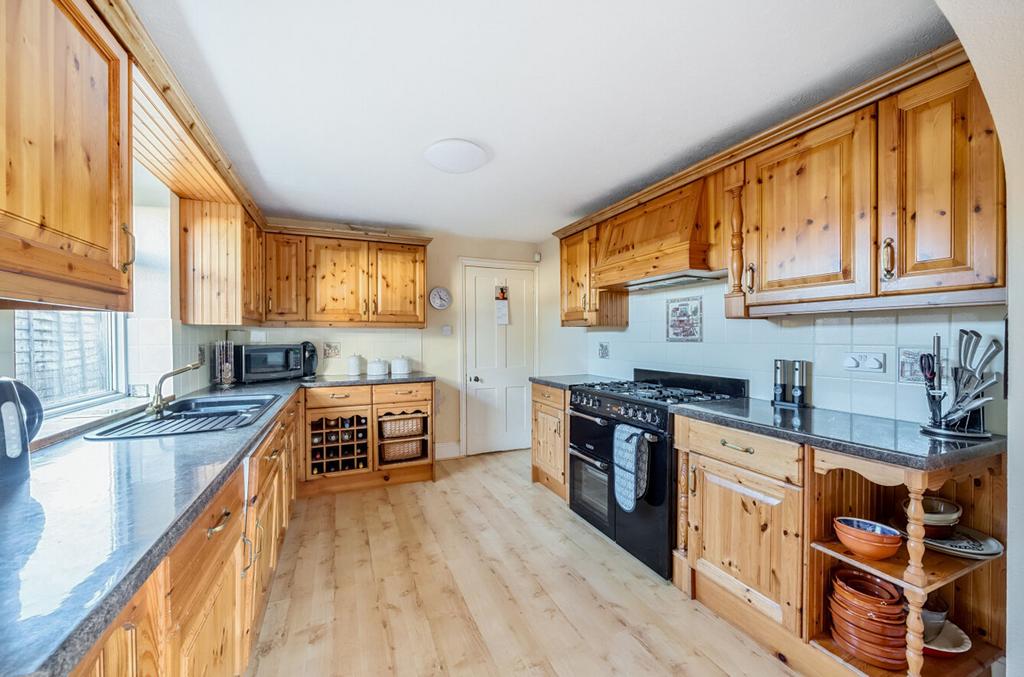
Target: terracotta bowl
[867, 590]
[885, 628]
[882, 614]
[858, 633]
[866, 530]
[866, 548]
[891, 653]
[866, 655]
[937, 510]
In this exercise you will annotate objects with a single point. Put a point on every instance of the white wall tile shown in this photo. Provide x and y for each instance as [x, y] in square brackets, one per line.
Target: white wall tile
[746, 349]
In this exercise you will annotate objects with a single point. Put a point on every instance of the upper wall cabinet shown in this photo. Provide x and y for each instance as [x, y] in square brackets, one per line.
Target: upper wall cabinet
[809, 214]
[65, 203]
[252, 270]
[582, 304]
[286, 277]
[397, 283]
[336, 280]
[940, 188]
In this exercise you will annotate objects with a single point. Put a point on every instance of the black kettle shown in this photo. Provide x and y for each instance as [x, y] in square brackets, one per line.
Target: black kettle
[21, 415]
[309, 361]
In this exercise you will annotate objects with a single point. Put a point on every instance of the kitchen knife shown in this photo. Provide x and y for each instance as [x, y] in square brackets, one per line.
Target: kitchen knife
[975, 342]
[958, 413]
[977, 390]
[993, 349]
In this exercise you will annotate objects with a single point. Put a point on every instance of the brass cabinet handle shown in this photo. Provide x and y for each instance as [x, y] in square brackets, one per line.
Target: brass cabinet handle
[221, 524]
[750, 278]
[586, 301]
[693, 480]
[730, 445]
[403, 392]
[131, 259]
[259, 537]
[343, 396]
[366, 308]
[888, 259]
[270, 303]
[273, 455]
[375, 306]
[252, 557]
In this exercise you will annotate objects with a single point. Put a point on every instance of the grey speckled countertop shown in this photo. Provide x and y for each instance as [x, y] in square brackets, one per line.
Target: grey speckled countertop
[880, 439]
[96, 517]
[570, 380]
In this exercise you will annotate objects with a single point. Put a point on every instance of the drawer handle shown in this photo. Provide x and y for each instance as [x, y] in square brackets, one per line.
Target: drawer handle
[336, 396]
[403, 392]
[547, 396]
[221, 524]
[730, 445]
[273, 456]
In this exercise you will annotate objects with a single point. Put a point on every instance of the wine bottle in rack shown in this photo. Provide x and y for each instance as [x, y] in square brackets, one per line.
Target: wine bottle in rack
[360, 434]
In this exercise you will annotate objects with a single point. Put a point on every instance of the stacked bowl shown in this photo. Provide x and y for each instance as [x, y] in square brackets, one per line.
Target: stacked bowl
[869, 619]
[868, 539]
[940, 516]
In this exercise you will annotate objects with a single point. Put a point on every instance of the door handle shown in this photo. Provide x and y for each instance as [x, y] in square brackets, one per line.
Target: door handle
[603, 467]
[693, 480]
[888, 259]
[475, 379]
[750, 278]
[131, 259]
[599, 421]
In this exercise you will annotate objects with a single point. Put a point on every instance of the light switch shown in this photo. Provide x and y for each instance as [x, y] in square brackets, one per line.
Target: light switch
[870, 362]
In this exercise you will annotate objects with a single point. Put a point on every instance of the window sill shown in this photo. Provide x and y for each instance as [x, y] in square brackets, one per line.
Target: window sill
[71, 424]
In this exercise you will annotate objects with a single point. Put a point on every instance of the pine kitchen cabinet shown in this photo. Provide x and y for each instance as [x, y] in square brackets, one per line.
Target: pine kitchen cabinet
[285, 277]
[337, 280]
[253, 243]
[65, 202]
[940, 188]
[582, 304]
[550, 438]
[809, 215]
[397, 280]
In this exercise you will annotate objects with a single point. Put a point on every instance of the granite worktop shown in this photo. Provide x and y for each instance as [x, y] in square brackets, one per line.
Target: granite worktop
[326, 381]
[887, 440]
[82, 535]
[569, 380]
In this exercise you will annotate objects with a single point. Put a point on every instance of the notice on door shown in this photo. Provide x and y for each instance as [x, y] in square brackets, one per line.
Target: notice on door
[501, 304]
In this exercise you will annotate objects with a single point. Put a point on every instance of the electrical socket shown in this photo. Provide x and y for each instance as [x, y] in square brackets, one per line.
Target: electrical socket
[870, 362]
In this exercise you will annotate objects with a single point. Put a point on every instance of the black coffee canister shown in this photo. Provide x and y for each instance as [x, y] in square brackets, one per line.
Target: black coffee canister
[21, 415]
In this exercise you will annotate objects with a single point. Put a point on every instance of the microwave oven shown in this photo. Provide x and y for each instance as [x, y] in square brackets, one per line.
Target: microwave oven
[261, 362]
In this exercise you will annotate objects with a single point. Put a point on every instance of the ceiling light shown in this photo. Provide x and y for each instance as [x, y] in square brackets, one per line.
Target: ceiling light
[456, 156]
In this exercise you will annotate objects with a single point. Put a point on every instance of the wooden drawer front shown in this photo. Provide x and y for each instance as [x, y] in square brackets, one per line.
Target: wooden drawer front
[769, 456]
[554, 397]
[267, 457]
[318, 398]
[403, 392]
[201, 552]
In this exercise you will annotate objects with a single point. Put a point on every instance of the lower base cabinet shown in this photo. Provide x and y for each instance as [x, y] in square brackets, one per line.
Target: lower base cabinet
[744, 535]
[548, 448]
[209, 642]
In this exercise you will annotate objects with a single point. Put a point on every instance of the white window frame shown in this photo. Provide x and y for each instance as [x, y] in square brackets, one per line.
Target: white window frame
[119, 371]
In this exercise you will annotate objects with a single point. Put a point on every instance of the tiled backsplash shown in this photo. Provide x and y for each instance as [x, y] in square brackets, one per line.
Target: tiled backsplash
[747, 348]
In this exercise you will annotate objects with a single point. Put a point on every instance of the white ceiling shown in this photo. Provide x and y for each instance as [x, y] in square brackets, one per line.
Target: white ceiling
[326, 107]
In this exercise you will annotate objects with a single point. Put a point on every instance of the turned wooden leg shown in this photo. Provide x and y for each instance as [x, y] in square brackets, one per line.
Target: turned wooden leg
[915, 632]
[914, 573]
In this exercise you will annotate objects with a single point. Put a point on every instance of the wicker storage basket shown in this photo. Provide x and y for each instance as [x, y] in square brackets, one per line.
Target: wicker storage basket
[402, 427]
[401, 451]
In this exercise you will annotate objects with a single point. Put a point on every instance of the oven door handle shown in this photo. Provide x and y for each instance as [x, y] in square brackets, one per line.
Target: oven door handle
[595, 419]
[603, 467]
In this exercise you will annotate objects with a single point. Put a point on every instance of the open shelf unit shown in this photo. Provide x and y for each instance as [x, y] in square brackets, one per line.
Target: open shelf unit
[338, 441]
[940, 569]
[403, 435]
[973, 662]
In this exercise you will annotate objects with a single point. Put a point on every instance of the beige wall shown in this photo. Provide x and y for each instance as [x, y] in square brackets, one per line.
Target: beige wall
[990, 31]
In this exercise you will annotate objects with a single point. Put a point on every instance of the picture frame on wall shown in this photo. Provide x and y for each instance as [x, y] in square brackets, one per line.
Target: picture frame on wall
[684, 320]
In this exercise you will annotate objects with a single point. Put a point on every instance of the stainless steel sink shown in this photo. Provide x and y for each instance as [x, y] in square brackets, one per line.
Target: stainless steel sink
[191, 415]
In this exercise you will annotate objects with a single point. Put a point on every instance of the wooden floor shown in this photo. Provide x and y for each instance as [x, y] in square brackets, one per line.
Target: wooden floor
[478, 573]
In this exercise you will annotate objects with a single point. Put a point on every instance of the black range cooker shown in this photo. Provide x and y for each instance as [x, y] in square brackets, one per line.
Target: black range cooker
[649, 532]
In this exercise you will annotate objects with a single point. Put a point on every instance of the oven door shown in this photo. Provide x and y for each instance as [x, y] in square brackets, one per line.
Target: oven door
[591, 491]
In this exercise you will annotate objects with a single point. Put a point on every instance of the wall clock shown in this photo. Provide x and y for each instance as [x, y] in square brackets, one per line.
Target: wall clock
[440, 298]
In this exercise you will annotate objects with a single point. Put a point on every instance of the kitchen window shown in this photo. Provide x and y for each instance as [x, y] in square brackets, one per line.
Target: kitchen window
[71, 359]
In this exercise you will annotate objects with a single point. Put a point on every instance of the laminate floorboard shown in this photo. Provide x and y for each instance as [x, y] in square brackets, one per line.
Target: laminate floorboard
[478, 573]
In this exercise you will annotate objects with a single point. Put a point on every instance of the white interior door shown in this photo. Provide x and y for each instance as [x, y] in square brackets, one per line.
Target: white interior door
[499, 359]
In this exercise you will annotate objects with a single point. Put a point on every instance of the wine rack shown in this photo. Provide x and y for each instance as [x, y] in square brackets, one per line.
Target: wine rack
[339, 441]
